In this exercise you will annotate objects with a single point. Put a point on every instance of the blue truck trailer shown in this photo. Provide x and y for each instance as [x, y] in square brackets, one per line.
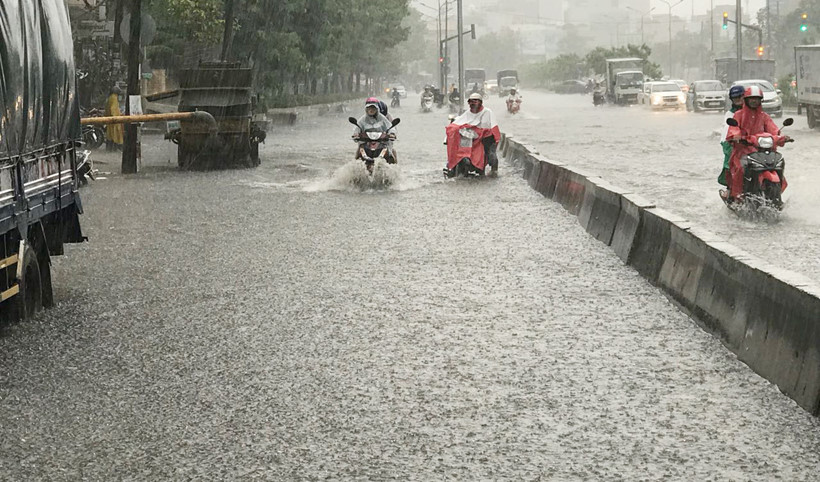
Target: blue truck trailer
[39, 142]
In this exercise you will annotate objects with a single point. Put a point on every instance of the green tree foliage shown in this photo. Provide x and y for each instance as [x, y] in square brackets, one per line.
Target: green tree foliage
[556, 69]
[596, 59]
[294, 45]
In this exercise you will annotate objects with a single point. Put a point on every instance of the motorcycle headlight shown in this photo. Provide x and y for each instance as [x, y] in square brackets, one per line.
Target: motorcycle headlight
[765, 142]
[682, 98]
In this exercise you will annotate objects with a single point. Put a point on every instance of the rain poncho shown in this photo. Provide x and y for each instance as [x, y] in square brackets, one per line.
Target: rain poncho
[750, 122]
[376, 122]
[112, 108]
[484, 118]
[724, 176]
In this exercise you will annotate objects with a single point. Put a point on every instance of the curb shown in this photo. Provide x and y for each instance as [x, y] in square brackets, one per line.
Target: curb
[767, 316]
[292, 115]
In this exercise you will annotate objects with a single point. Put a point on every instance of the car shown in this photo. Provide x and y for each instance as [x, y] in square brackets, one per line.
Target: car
[684, 87]
[402, 91]
[491, 86]
[706, 95]
[571, 87]
[665, 94]
[772, 103]
[643, 95]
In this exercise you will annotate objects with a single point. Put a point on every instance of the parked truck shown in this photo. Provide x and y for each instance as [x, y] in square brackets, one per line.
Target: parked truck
[807, 75]
[39, 139]
[726, 70]
[624, 80]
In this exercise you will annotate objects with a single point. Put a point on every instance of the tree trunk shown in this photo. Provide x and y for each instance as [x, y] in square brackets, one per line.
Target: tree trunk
[227, 37]
[129, 151]
[358, 82]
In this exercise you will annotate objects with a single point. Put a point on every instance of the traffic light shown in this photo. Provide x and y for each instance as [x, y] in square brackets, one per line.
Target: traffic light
[441, 60]
[803, 22]
[760, 51]
[725, 20]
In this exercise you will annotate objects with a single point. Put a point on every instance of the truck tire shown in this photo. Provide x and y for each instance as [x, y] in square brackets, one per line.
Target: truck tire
[30, 298]
[810, 117]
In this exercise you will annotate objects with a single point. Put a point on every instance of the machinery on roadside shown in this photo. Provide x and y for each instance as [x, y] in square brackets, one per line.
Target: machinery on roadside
[224, 90]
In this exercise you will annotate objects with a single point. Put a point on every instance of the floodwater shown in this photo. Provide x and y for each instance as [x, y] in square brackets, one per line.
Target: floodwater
[285, 323]
[673, 158]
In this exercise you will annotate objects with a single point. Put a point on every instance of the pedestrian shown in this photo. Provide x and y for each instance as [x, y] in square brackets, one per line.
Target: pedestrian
[113, 132]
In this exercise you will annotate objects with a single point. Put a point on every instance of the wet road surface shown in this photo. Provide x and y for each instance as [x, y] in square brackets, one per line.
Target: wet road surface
[673, 158]
[281, 324]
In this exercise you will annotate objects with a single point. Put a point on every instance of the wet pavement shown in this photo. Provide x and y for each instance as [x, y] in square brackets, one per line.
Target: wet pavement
[281, 323]
[673, 158]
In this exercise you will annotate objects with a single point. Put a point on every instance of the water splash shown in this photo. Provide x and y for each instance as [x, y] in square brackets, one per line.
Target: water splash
[353, 176]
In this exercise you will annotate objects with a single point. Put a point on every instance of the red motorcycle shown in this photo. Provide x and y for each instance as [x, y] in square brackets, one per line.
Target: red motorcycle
[465, 150]
[513, 106]
[763, 180]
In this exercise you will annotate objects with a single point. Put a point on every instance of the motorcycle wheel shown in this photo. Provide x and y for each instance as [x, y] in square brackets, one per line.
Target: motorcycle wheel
[772, 193]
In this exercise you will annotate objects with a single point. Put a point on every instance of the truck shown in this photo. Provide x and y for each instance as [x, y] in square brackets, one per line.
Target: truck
[39, 142]
[224, 90]
[507, 79]
[624, 80]
[474, 78]
[807, 76]
[726, 70]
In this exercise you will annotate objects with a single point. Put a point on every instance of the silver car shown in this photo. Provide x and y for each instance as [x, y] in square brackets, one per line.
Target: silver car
[772, 103]
[706, 95]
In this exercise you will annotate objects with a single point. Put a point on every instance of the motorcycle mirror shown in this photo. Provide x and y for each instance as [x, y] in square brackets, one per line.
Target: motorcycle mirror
[353, 121]
[788, 122]
[732, 122]
[395, 121]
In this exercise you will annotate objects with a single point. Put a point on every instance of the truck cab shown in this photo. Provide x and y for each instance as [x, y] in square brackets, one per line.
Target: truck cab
[627, 86]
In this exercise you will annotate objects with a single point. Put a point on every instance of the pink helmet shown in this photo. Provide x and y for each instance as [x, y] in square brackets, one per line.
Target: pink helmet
[371, 101]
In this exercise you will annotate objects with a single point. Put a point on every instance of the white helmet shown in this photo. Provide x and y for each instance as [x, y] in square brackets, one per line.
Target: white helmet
[753, 91]
[476, 96]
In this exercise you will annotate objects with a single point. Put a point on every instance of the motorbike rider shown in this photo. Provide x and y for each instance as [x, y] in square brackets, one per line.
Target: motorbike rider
[751, 120]
[427, 95]
[373, 119]
[396, 97]
[483, 117]
[454, 95]
[514, 96]
[736, 99]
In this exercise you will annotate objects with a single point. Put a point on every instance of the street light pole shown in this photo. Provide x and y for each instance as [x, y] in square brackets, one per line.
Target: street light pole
[440, 40]
[461, 54]
[670, 31]
[642, 16]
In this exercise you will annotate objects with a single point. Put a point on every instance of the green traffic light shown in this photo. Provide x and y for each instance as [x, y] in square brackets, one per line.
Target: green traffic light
[725, 26]
[804, 27]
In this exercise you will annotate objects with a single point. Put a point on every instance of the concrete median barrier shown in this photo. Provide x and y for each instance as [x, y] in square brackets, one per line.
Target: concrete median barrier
[600, 209]
[570, 186]
[769, 317]
[548, 177]
[629, 220]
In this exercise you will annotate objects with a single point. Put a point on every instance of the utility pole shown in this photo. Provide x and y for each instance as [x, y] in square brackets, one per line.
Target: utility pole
[461, 53]
[227, 37]
[129, 151]
[712, 26]
[739, 37]
[670, 5]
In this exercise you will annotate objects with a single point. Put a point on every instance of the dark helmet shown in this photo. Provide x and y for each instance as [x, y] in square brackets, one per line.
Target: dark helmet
[736, 91]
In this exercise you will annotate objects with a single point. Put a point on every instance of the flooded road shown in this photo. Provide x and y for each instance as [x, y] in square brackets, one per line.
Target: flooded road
[674, 158]
[281, 324]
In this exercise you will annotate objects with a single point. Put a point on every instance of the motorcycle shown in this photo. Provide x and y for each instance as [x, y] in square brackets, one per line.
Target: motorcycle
[85, 168]
[465, 150]
[373, 145]
[427, 103]
[763, 181]
[513, 106]
[598, 98]
[455, 104]
[93, 136]
[396, 102]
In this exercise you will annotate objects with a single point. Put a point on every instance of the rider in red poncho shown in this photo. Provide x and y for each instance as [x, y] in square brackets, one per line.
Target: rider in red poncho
[751, 121]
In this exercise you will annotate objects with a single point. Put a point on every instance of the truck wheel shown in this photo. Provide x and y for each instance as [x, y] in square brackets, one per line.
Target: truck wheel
[30, 298]
[810, 118]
